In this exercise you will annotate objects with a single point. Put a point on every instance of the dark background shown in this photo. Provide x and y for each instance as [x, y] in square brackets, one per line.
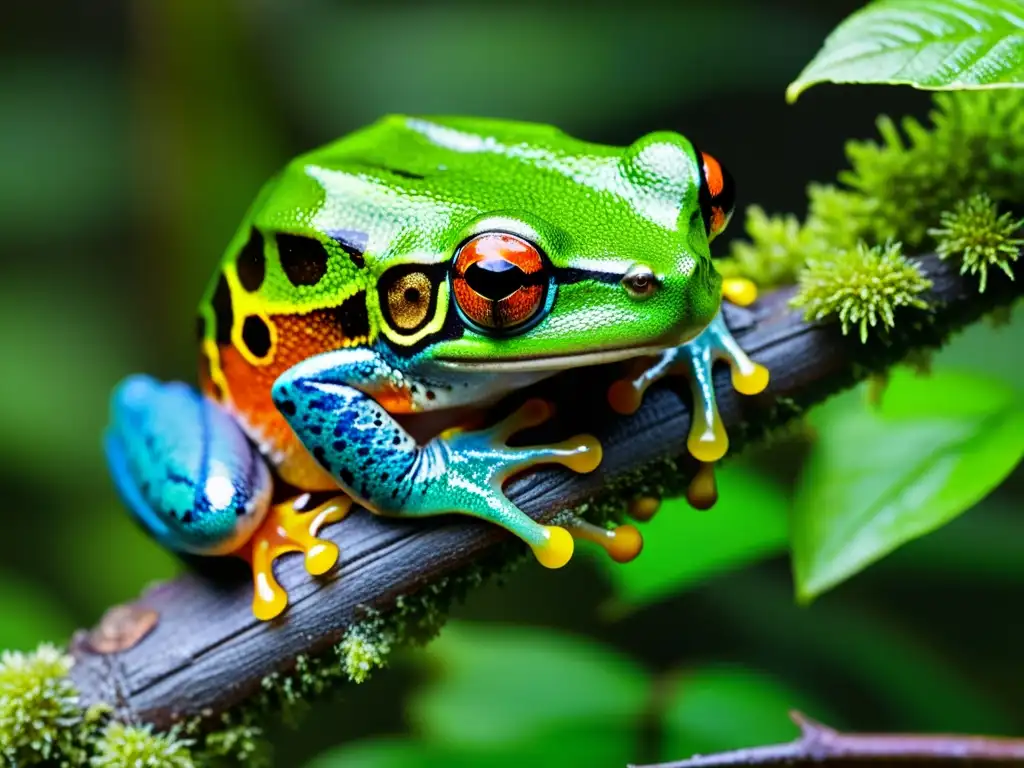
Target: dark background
[134, 134]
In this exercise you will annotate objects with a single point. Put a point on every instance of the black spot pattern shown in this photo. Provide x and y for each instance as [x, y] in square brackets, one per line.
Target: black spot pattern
[256, 336]
[287, 407]
[303, 259]
[200, 327]
[222, 312]
[352, 317]
[251, 264]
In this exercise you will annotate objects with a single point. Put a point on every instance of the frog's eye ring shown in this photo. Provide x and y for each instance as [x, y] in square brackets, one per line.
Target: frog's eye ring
[717, 195]
[500, 282]
[408, 297]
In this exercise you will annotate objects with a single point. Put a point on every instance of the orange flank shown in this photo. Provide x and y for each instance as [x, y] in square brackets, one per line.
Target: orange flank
[248, 381]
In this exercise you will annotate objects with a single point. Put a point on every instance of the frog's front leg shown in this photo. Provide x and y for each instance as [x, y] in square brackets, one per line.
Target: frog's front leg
[197, 484]
[382, 466]
[707, 441]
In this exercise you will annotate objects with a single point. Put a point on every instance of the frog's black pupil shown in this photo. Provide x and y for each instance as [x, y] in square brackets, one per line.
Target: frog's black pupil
[495, 278]
[412, 295]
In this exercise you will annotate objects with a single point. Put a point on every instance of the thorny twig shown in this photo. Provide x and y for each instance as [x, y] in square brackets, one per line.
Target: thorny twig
[820, 745]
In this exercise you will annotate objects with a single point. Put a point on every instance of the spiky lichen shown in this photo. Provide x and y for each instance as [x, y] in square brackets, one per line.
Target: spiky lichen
[975, 143]
[39, 709]
[979, 236]
[139, 746]
[862, 287]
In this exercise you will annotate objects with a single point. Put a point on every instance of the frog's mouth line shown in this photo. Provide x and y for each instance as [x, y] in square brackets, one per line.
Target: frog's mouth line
[555, 363]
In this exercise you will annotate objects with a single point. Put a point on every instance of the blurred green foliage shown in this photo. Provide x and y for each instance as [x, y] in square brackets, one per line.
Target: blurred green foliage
[881, 475]
[134, 136]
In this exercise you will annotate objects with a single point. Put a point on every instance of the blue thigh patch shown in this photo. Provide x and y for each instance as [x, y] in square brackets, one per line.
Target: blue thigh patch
[184, 467]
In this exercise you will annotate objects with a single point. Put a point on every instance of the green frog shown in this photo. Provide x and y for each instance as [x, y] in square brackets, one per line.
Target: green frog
[427, 265]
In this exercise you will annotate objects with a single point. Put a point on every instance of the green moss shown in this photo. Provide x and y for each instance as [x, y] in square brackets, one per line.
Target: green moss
[897, 186]
[139, 747]
[39, 709]
[979, 236]
[365, 647]
[239, 743]
[862, 287]
[778, 247]
[975, 143]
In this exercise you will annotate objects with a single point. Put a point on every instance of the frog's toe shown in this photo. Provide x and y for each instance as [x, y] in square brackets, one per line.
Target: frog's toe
[739, 290]
[643, 508]
[581, 453]
[622, 543]
[184, 468]
[555, 547]
[292, 526]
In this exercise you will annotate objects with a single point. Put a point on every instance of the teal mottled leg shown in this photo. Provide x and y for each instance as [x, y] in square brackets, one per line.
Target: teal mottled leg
[381, 465]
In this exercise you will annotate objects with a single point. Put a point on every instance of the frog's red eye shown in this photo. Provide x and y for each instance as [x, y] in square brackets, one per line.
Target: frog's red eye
[499, 281]
[717, 195]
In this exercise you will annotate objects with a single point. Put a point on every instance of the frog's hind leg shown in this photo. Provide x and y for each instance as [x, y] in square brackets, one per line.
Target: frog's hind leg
[707, 441]
[196, 483]
[184, 468]
[382, 466]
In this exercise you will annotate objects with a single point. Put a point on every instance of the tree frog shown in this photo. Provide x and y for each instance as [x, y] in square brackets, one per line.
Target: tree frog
[426, 265]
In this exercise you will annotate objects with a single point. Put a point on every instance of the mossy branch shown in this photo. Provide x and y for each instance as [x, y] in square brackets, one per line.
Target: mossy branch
[206, 659]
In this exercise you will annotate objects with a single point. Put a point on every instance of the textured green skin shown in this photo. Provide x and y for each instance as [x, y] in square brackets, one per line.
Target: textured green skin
[412, 191]
[590, 206]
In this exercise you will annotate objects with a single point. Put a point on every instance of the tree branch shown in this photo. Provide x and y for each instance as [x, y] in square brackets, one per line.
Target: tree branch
[205, 653]
[820, 744]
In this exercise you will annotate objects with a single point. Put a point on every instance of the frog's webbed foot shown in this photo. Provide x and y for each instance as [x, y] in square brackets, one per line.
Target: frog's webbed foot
[291, 526]
[197, 484]
[707, 441]
[381, 465]
[482, 460]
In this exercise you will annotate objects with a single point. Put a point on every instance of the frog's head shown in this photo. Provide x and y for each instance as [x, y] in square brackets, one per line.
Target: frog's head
[581, 253]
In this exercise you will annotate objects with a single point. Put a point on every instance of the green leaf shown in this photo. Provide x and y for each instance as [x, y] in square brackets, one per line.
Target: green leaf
[716, 709]
[986, 544]
[983, 347]
[30, 614]
[930, 44]
[683, 546]
[879, 477]
[505, 684]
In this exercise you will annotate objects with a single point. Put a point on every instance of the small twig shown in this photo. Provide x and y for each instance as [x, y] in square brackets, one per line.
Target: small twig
[207, 653]
[820, 744]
